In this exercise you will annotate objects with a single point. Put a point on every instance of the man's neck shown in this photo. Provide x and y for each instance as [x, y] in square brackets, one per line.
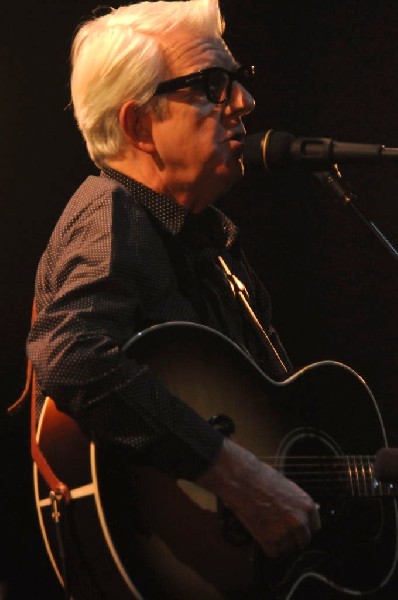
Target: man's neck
[148, 175]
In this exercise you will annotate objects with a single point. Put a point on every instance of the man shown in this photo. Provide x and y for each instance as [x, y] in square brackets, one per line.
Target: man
[159, 99]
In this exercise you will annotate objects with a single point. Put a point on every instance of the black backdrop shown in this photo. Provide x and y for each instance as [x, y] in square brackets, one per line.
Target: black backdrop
[324, 69]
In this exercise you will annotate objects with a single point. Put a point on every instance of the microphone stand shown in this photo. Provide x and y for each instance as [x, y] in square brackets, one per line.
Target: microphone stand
[340, 191]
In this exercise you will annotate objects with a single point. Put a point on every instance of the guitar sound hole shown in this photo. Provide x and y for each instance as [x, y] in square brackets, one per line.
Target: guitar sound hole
[314, 461]
[317, 464]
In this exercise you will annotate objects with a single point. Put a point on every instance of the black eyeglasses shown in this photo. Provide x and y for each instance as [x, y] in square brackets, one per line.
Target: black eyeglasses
[216, 82]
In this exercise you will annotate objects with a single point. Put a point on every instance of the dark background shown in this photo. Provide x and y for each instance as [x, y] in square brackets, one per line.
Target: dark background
[324, 69]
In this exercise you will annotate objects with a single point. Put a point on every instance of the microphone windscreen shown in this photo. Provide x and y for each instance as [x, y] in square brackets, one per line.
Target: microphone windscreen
[253, 150]
[277, 149]
[270, 149]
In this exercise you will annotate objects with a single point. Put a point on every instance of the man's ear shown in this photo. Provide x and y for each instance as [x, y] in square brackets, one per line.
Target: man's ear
[137, 126]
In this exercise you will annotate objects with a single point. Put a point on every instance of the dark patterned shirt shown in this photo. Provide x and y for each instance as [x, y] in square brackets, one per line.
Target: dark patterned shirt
[122, 258]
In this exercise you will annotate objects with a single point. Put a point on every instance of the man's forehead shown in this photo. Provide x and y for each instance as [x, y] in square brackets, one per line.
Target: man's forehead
[185, 53]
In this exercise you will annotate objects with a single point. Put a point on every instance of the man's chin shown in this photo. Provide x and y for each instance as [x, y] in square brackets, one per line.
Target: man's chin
[227, 179]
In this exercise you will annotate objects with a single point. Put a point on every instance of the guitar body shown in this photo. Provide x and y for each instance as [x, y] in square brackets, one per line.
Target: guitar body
[133, 532]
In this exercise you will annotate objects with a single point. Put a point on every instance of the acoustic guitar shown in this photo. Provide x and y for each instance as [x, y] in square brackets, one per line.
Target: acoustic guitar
[131, 531]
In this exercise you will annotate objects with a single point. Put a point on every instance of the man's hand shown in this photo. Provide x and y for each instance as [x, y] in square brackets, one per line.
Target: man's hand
[279, 515]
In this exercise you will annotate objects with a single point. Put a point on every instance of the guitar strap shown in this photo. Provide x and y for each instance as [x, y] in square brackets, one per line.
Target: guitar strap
[240, 292]
[58, 490]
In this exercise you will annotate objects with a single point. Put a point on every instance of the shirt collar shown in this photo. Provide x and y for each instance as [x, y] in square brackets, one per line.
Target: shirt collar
[172, 216]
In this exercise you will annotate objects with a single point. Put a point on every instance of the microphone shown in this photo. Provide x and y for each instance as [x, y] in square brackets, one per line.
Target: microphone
[274, 150]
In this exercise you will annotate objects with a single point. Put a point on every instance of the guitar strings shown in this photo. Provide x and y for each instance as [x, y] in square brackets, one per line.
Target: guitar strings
[355, 471]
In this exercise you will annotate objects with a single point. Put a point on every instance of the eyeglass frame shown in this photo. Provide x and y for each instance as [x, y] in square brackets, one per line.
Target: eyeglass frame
[242, 75]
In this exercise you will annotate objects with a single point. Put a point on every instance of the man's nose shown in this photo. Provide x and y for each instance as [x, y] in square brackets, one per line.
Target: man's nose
[241, 102]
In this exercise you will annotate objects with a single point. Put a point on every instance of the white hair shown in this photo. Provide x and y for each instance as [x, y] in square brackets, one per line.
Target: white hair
[118, 56]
